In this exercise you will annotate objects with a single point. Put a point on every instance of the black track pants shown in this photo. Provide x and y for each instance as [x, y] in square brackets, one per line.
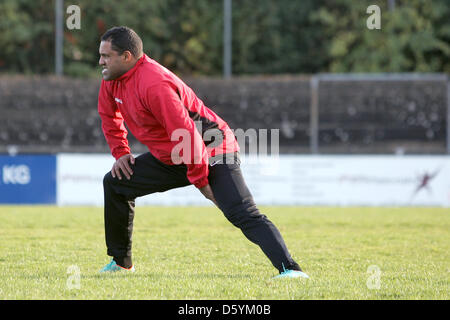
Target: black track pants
[227, 183]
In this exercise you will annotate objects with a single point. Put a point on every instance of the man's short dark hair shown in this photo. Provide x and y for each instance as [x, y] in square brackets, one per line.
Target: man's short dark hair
[124, 39]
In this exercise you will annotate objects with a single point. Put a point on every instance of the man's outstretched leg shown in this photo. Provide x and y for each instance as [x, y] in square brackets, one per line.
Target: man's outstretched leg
[236, 202]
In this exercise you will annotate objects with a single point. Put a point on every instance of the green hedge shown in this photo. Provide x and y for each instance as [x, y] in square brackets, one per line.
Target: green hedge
[269, 36]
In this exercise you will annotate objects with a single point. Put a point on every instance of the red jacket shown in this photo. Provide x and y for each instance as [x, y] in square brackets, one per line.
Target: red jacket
[154, 103]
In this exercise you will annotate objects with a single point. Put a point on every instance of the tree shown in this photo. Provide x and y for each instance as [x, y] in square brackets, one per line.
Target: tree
[269, 36]
[413, 37]
[26, 36]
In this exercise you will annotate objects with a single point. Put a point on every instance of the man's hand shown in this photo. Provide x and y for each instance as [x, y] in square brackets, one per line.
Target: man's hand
[207, 192]
[123, 164]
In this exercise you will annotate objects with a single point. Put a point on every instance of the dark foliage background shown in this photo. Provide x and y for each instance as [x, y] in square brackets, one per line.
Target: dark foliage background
[269, 36]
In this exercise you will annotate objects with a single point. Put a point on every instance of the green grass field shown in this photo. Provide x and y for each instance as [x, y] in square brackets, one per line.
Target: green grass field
[195, 253]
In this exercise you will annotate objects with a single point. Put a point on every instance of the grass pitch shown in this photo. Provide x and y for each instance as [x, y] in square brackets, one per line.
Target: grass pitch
[195, 253]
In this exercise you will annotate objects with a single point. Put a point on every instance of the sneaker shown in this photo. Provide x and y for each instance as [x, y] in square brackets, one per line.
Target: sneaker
[291, 274]
[114, 267]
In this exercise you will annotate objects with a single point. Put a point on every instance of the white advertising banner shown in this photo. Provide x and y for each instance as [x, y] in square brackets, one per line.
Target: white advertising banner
[80, 182]
[287, 180]
[353, 181]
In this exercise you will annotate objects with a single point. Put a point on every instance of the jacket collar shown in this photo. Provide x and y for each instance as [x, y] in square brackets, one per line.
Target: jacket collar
[130, 72]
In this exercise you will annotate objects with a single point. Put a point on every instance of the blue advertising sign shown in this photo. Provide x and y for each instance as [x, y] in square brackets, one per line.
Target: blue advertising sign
[28, 179]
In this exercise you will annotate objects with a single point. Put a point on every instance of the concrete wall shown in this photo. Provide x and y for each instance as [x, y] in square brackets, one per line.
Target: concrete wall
[49, 114]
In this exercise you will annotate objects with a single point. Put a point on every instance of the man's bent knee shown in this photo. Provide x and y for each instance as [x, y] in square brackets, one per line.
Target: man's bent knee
[108, 179]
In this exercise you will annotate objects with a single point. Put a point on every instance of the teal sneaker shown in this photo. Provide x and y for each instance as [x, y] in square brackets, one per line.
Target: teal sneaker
[114, 267]
[291, 274]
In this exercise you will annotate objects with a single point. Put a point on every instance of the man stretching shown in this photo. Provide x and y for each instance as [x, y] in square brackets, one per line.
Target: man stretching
[157, 106]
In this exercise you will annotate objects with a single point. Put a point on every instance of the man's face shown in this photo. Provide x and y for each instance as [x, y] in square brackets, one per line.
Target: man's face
[113, 64]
